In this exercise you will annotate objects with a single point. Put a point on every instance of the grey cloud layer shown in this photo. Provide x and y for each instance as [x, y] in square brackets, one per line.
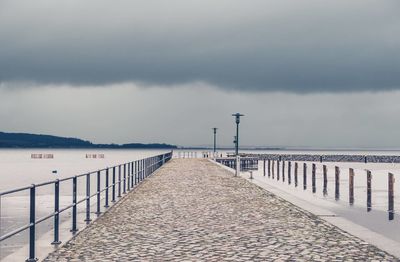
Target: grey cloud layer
[260, 45]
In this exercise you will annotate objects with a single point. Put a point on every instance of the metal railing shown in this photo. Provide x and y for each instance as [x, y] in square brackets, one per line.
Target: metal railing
[129, 175]
[246, 164]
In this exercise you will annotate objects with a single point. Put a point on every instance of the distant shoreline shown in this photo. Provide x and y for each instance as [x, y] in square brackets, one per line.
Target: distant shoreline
[32, 141]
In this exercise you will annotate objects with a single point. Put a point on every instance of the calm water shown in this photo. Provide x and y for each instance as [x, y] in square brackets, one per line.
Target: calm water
[18, 169]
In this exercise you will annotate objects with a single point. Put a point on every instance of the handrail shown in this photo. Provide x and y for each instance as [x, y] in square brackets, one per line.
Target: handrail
[129, 176]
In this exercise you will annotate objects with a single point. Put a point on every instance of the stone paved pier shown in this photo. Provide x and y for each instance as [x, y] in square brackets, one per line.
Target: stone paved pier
[194, 210]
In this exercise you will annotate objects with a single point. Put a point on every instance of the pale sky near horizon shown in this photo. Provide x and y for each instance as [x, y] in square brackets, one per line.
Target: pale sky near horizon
[305, 73]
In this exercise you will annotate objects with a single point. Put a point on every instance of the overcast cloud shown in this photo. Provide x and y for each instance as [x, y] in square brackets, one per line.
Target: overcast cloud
[304, 72]
[259, 45]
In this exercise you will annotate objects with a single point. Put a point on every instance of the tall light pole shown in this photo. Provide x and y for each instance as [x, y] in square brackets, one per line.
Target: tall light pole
[215, 139]
[237, 118]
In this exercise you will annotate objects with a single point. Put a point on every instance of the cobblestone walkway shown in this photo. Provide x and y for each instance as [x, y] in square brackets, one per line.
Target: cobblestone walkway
[193, 210]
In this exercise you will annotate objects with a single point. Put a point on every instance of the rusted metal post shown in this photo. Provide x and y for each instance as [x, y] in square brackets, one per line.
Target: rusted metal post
[369, 190]
[296, 167]
[391, 196]
[289, 172]
[351, 186]
[304, 176]
[314, 187]
[325, 174]
[337, 183]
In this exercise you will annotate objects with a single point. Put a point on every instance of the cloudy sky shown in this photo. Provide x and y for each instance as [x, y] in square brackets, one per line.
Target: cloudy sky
[305, 73]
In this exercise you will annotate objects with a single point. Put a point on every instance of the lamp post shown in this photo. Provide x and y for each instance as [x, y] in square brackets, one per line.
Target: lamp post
[237, 120]
[215, 139]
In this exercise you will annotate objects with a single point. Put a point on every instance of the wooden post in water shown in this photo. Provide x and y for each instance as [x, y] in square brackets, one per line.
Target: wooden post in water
[314, 187]
[325, 174]
[351, 186]
[296, 167]
[289, 171]
[269, 168]
[273, 169]
[369, 190]
[391, 196]
[337, 183]
[264, 167]
[277, 169]
[283, 171]
[304, 176]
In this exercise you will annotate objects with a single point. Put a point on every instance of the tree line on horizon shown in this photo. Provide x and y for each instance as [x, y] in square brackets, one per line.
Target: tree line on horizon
[24, 140]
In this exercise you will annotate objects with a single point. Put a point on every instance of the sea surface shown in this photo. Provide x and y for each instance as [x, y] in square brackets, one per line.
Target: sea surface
[21, 167]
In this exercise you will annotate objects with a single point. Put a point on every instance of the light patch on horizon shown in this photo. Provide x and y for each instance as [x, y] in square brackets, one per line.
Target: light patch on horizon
[185, 114]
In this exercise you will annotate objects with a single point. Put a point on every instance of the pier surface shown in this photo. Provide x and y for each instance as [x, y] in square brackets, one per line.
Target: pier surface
[194, 210]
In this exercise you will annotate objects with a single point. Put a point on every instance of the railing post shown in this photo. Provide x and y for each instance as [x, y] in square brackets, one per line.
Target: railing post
[107, 186]
[129, 176]
[325, 174]
[56, 240]
[391, 196]
[369, 190]
[146, 167]
[146, 162]
[304, 176]
[136, 172]
[124, 179]
[74, 201]
[296, 169]
[283, 171]
[113, 185]
[98, 194]
[143, 167]
[289, 172]
[351, 186]
[139, 171]
[313, 182]
[132, 174]
[119, 181]
[32, 225]
[337, 183]
[87, 220]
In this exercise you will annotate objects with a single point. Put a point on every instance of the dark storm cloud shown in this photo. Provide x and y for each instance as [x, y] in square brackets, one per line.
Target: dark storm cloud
[296, 46]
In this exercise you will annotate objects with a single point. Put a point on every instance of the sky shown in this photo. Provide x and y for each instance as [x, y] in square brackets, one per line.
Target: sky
[305, 73]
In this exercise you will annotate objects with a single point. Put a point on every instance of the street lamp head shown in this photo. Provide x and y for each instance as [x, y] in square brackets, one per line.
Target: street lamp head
[237, 115]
